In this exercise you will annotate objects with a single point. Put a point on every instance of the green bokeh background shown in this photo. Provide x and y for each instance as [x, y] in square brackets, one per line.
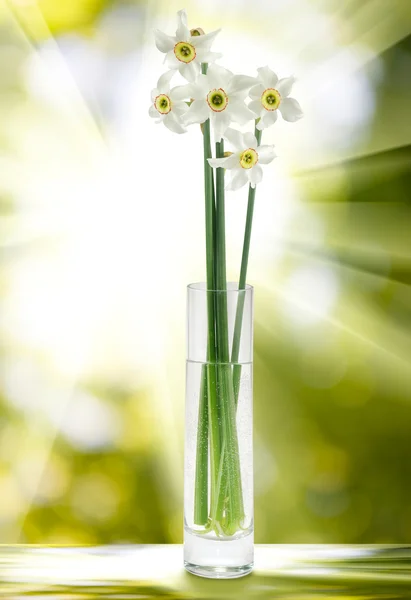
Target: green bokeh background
[332, 406]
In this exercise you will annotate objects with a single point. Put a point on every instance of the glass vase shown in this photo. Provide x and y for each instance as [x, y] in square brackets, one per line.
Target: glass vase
[218, 470]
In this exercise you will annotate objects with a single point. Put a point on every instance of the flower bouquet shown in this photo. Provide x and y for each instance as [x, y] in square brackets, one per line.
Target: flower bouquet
[218, 449]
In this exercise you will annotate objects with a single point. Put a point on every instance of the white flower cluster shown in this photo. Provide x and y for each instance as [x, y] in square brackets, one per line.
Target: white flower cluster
[220, 96]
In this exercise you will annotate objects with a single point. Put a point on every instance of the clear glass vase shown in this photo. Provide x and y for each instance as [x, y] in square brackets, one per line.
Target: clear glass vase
[218, 470]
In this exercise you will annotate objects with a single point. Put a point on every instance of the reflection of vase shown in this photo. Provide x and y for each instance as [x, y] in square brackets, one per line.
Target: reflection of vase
[218, 485]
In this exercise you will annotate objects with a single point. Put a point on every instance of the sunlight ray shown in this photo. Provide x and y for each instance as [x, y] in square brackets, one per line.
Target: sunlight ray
[299, 302]
[54, 62]
[74, 106]
[388, 161]
[368, 264]
[370, 29]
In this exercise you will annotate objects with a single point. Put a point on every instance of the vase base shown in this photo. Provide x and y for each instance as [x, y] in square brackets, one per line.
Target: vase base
[217, 557]
[218, 572]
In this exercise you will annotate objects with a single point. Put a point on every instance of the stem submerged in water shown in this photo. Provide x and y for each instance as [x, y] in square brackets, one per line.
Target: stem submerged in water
[208, 416]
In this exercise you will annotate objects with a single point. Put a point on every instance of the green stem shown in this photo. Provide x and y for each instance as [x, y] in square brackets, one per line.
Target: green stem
[210, 223]
[221, 274]
[208, 415]
[235, 352]
[229, 479]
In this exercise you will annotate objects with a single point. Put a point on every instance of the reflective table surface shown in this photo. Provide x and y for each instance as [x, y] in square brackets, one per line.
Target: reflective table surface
[287, 572]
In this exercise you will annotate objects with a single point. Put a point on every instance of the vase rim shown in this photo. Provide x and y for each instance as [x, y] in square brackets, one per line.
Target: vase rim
[232, 286]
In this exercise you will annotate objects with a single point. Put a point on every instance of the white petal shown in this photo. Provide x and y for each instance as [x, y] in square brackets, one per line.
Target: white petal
[290, 110]
[197, 113]
[218, 77]
[153, 112]
[220, 121]
[239, 112]
[205, 56]
[255, 175]
[267, 77]
[269, 118]
[154, 94]
[163, 84]
[173, 124]
[179, 108]
[181, 92]
[189, 71]
[204, 41]
[216, 162]
[233, 161]
[237, 181]
[250, 140]
[285, 85]
[183, 32]
[266, 154]
[228, 162]
[240, 83]
[256, 107]
[235, 138]
[164, 42]
[201, 87]
[172, 61]
[256, 92]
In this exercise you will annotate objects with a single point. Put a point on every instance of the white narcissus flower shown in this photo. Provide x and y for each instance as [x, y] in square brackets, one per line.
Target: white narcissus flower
[220, 96]
[168, 107]
[246, 160]
[185, 52]
[271, 95]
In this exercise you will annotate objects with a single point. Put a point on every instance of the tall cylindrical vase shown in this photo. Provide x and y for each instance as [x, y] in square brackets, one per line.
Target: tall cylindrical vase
[218, 471]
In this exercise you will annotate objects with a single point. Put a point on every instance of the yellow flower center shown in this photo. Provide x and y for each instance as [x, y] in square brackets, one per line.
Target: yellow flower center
[163, 104]
[271, 99]
[217, 100]
[248, 158]
[185, 52]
